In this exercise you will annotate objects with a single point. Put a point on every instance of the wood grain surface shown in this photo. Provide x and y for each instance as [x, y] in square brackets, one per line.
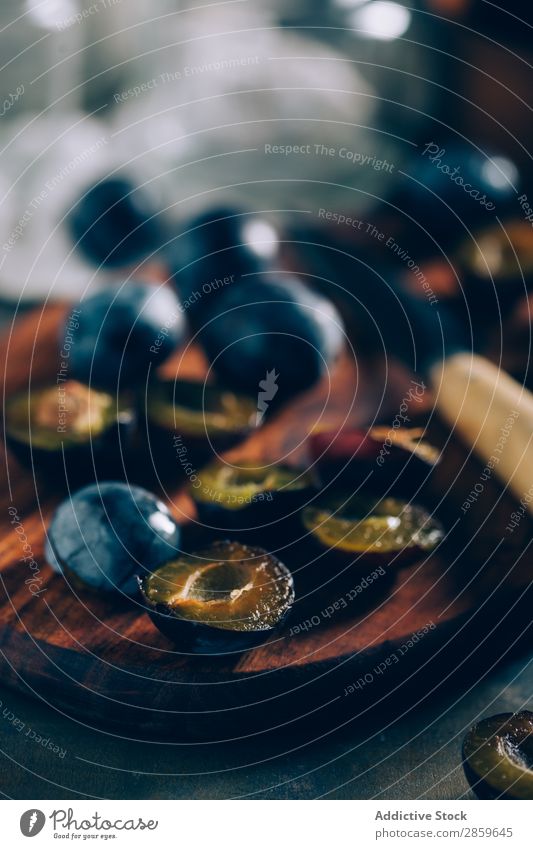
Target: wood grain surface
[103, 660]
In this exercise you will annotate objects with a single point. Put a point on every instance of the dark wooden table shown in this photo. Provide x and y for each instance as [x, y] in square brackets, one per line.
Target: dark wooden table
[416, 757]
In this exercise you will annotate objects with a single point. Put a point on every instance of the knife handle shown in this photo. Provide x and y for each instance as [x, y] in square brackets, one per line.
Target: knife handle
[493, 414]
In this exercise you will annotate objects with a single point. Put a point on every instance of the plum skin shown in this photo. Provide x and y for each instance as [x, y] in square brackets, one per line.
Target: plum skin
[213, 246]
[106, 533]
[122, 332]
[200, 638]
[113, 223]
[270, 510]
[435, 168]
[356, 457]
[281, 326]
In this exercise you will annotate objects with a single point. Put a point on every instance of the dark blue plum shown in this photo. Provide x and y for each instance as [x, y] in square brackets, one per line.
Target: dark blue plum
[107, 534]
[217, 249]
[272, 334]
[114, 224]
[450, 183]
[122, 332]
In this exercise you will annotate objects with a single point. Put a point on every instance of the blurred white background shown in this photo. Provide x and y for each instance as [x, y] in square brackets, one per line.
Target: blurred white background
[184, 96]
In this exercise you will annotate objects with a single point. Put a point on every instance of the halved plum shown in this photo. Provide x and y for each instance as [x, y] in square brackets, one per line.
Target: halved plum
[249, 496]
[500, 256]
[228, 597]
[103, 535]
[361, 529]
[498, 756]
[277, 335]
[194, 419]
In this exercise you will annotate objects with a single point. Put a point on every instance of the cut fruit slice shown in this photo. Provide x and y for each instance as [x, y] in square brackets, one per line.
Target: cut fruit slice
[228, 587]
[498, 756]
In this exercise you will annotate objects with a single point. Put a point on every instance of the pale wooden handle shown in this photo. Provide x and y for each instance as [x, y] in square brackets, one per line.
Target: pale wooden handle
[493, 414]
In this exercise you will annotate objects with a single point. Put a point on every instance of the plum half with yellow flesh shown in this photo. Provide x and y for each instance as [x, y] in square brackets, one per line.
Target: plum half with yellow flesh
[249, 496]
[124, 332]
[84, 423]
[361, 529]
[274, 335]
[498, 756]
[228, 597]
[192, 419]
[496, 267]
[499, 256]
[220, 247]
[104, 535]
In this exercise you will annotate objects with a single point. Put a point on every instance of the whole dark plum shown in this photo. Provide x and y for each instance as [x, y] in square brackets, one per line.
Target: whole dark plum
[273, 339]
[122, 331]
[107, 534]
[114, 223]
[216, 249]
[383, 459]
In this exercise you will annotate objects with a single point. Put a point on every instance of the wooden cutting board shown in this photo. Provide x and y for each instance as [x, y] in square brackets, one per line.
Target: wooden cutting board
[102, 661]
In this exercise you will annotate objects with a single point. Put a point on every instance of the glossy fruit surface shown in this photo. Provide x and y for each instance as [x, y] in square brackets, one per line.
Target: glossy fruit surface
[456, 184]
[122, 332]
[227, 597]
[115, 224]
[498, 756]
[384, 530]
[106, 534]
[216, 250]
[272, 339]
